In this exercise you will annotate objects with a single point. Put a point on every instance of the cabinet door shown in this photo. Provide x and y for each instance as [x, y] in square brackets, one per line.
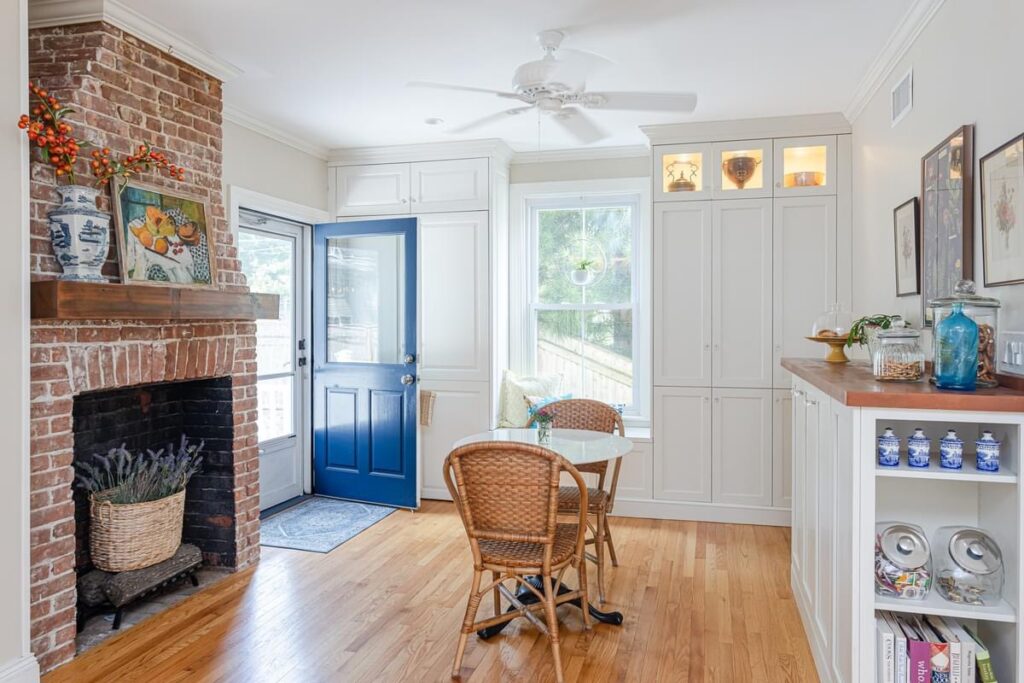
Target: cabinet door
[742, 293]
[681, 432]
[810, 498]
[741, 446]
[825, 541]
[373, 190]
[682, 294]
[454, 296]
[742, 169]
[805, 166]
[682, 172]
[460, 409]
[635, 480]
[845, 575]
[459, 185]
[782, 448]
[804, 273]
[798, 516]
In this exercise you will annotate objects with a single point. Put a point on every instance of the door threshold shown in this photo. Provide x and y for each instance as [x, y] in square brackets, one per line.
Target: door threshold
[281, 507]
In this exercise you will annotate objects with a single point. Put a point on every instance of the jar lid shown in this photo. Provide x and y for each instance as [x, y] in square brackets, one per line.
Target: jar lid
[899, 333]
[975, 551]
[964, 293]
[905, 546]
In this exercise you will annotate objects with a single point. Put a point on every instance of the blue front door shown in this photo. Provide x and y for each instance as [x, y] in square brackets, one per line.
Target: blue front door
[364, 361]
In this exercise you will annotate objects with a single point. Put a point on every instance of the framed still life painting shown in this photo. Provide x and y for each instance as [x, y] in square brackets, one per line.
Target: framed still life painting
[947, 217]
[907, 228]
[163, 238]
[1002, 213]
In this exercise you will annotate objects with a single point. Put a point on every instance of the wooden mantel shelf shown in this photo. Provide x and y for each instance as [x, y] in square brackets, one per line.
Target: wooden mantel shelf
[854, 385]
[65, 300]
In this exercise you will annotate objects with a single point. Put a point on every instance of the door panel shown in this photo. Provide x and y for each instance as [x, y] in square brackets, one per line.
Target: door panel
[460, 409]
[439, 186]
[682, 294]
[364, 370]
[804, 274]
[635, 479]
[826, 514]
[682, 444]
[782, 449]
[741, 438]
[810, 496]
[372, 190]
[742, 293]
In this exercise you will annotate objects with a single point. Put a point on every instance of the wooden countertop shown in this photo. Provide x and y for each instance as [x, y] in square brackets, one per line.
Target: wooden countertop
[854, 385]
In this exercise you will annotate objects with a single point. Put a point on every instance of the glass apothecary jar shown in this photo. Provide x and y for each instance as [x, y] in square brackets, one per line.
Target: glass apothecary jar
[984, 311]
[903, 566]
[898, 356]
[968, 566]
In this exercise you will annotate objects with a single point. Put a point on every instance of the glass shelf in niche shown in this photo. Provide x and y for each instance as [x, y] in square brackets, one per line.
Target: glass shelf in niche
[805, 166]
[743, 169]
[683, 172]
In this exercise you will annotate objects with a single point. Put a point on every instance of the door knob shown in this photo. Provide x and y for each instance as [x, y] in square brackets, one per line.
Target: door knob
[408, 379]
[410, 359]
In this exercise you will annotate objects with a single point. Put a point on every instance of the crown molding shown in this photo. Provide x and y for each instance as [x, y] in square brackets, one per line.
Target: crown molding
[748, 129]
[493, 148]
[902, 38]
[245, 120]
[581, 154]
[47, 13]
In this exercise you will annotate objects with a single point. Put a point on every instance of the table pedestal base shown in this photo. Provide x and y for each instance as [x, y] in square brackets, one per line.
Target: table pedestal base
[527, 597]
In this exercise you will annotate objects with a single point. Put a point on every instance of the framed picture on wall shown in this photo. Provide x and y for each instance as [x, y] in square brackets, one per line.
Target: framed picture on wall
[163, 238]
[947, 217]
[907, 227]
[1002, 213]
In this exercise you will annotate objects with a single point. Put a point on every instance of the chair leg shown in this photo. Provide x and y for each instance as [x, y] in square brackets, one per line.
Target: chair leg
[552, 617]
[611, 545]
[581, 575]
[599, 552]
[497, 594]
[467, 622]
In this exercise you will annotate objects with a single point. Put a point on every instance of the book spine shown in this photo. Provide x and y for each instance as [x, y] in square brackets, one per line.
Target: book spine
[920, 668]
[985, 672]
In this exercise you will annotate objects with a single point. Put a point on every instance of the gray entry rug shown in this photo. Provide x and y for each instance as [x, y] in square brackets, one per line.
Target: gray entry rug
[319, 524]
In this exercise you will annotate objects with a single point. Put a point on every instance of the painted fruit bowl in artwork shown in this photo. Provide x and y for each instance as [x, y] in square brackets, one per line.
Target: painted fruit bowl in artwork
[168, 247]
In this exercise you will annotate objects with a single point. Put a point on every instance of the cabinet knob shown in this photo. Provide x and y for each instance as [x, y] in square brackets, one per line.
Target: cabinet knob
[404, 200]
[412, 199]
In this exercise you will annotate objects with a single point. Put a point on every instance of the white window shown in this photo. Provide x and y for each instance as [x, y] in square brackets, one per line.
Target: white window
[583, 290]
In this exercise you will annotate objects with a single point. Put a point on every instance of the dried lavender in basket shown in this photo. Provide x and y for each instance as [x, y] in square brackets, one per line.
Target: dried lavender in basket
[122, 478]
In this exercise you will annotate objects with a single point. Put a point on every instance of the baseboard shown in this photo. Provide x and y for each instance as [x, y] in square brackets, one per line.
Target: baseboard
[430, 493]
[701, 512]
[22, 670]
[821, 663]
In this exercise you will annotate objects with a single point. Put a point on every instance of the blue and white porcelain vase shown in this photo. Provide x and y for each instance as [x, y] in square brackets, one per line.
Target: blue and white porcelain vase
[80, 234]
[951, 451]
[918, 449]
[988, 452]
[888, 448]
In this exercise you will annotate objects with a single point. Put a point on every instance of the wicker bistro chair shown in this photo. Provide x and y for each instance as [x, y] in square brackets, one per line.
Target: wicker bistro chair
[582, 413]
[507, 496]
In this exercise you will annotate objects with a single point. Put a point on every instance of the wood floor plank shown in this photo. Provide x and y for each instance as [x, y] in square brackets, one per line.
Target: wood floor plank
[702, 602]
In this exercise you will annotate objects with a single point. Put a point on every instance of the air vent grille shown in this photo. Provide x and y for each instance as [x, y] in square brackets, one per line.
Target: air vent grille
[903, 97]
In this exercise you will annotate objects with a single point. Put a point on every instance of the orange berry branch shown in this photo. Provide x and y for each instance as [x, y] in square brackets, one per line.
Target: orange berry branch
[49, 134]
[106, 168]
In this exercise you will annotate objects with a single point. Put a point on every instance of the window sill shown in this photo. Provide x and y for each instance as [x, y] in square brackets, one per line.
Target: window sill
[638, 434]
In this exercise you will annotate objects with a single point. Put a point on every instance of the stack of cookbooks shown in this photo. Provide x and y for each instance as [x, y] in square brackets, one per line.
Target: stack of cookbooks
[916, 648]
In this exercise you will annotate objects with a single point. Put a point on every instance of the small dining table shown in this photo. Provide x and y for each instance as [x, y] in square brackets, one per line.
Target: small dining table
[579, 447]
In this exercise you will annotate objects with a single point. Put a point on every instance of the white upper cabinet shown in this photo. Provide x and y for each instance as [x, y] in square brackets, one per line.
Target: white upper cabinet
[443, 186]
[454, 296]
[741, 440]
[685, 172]
[373, 190]
[742, 169]
[742, 293]
[805, 166]
[682, 444]
[682, 294]
[805, 275]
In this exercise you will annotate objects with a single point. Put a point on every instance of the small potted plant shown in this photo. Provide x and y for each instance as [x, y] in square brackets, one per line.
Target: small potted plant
[137, 504]
[864, 331]
[583, 272]
[544, 417]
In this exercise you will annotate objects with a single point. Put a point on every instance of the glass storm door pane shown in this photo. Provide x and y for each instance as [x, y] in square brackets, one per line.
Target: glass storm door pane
[365, 302]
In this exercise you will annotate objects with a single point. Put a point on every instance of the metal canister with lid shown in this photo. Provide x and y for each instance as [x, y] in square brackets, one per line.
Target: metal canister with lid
[902, 561]
[969, 566]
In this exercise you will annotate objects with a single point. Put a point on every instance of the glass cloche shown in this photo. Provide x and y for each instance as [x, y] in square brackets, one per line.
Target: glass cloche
[983, 310]
[835, 322]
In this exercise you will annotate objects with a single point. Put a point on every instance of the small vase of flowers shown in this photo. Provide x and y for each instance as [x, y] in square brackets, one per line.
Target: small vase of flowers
[544, 417]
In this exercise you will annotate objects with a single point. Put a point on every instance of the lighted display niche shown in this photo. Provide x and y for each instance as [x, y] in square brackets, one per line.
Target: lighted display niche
[743, 169]
[683, 172]
[804, 166]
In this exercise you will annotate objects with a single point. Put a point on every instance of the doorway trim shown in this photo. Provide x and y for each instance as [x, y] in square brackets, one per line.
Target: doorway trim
[239, 198]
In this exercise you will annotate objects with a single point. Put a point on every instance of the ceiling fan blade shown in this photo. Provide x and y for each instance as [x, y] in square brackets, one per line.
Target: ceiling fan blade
[464, 88]
[574, 67]
[489, 119]
[684, 102]
[579, 125]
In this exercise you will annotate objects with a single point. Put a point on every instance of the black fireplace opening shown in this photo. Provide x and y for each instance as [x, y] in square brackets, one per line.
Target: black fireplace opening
[152, 417]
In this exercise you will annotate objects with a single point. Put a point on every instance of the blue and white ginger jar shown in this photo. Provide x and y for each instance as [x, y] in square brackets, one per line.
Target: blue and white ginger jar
[918, 449]
[951, 451]
[888, 448]
[80, 234]
[988, 452]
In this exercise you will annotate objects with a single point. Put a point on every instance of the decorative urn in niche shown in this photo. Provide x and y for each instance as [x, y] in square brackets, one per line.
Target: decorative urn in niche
[740, 169]
[79, 233]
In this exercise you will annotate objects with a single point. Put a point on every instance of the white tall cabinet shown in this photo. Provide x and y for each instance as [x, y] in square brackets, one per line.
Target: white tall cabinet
[459, 195]
[751, 243]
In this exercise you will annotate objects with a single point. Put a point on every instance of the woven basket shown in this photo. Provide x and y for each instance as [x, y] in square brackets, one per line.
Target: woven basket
[137, 535]
[427, 399]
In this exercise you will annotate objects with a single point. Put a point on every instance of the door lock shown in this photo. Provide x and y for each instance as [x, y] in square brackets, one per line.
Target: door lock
[408, 379]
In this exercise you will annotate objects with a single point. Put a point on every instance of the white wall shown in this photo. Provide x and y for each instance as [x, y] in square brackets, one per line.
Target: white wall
[258, 163]
[967, 69]
[16, 662]
[591, 169]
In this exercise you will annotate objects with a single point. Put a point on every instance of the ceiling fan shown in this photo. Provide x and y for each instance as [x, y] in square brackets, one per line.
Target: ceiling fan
[555, 85]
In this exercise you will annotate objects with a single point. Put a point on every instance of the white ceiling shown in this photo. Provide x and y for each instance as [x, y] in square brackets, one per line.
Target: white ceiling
[334, 72]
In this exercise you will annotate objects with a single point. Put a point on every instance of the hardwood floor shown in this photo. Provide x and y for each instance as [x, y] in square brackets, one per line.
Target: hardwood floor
[703, 602]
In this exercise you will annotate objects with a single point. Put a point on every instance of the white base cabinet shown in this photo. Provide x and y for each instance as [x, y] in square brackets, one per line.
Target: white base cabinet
[741, 446]
[682, 444]
[460, 409]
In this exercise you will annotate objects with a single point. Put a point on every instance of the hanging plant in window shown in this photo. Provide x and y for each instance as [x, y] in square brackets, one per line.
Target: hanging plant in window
[585, 262]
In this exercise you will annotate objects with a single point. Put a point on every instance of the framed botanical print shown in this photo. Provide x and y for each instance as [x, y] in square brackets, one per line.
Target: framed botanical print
[163, 238]
[947, 217]
[907, 227]
[1002, 213]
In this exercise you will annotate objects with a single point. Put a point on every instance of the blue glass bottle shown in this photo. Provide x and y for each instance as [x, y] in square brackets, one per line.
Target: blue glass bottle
[956, 351]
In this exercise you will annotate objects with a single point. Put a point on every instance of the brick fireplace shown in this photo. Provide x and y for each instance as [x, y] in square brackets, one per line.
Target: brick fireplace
[125, 92]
